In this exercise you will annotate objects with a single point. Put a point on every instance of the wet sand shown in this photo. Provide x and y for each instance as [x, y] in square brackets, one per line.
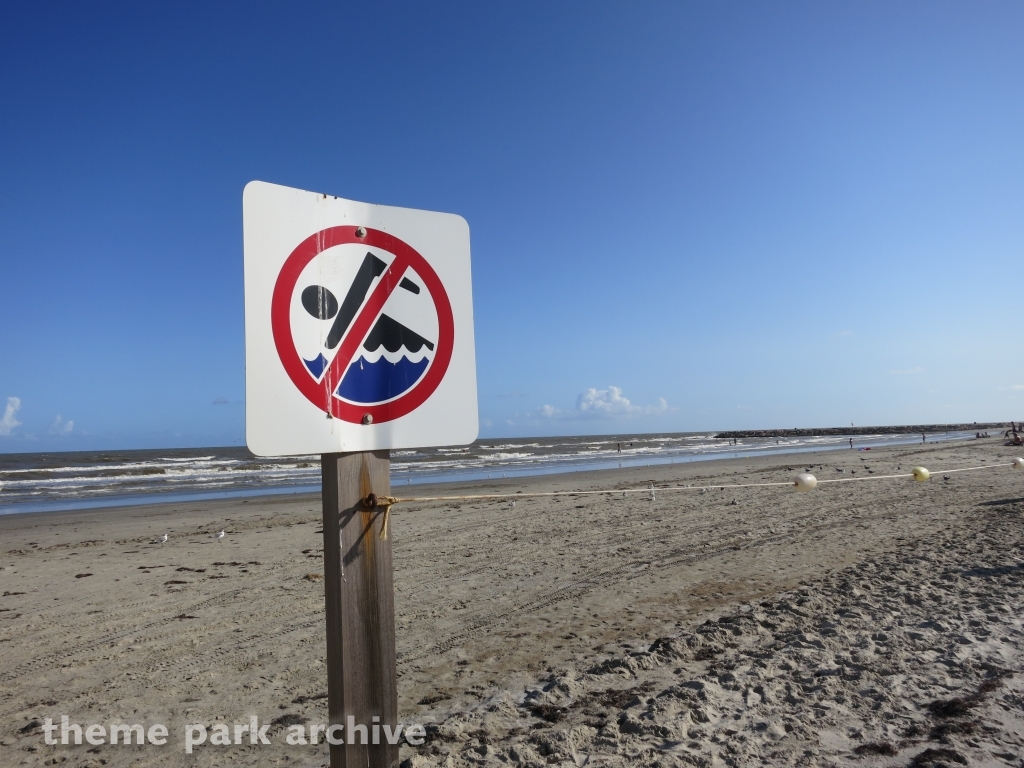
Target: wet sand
[743, 627]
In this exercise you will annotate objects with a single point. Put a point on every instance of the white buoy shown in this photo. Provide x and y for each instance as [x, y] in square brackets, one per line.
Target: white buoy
[920, 474]
[805, 482]
[1018, 463]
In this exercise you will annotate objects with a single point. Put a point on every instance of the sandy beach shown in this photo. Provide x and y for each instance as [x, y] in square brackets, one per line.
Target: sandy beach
[874, 623]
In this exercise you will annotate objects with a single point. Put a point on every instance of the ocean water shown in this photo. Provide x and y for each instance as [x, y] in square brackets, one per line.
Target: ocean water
[59, 481]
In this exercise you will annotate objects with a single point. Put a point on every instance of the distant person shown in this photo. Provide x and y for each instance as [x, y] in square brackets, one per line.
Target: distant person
[851, 442]
[923, 440]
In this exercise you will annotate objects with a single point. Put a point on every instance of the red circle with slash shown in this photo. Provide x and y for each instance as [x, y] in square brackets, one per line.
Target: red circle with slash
[321, 393]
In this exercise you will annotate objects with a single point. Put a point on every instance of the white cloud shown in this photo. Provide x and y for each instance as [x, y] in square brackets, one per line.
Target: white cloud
[1013, 388]
[843, 334]
[60, 427]
[8, 422]
[601, 404]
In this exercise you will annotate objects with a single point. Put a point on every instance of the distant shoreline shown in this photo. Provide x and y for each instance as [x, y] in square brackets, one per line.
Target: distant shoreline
[917, 429]
[406, 475]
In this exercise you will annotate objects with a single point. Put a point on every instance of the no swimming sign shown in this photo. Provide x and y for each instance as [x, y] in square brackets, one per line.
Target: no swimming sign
[358, 325]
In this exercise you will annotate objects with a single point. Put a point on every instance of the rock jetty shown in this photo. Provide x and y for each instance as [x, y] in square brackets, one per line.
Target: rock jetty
[917, 429]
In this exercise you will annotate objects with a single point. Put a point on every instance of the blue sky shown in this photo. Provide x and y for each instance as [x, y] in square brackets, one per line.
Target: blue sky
[684, 216]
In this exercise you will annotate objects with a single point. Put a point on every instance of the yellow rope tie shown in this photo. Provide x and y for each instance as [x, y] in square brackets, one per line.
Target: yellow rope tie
[387, 502]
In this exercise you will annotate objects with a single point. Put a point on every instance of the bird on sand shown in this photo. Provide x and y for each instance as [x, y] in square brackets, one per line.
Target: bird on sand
[219, 536]
[161, 540]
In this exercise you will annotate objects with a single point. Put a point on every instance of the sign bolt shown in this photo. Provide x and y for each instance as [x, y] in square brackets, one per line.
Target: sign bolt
[367, 419]
[360, 231]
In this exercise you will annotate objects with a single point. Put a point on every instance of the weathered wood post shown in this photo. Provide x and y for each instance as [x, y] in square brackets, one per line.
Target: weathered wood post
[362, 680]
[329, 283]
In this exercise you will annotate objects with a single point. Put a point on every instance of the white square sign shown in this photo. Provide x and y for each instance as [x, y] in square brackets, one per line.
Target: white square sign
[358, 325]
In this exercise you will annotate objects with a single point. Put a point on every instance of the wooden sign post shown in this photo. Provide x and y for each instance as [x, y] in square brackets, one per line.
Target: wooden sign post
[358, 341]
[362, 678]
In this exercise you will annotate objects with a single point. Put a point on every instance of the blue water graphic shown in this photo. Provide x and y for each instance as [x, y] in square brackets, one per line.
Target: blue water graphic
[316, 366]
[367, 382]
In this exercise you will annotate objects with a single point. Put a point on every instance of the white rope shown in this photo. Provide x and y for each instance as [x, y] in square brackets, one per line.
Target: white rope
[887, 477]
[548, 494]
